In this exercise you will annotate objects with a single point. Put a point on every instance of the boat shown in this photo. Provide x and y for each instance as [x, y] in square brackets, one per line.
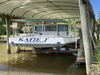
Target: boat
[45, 36]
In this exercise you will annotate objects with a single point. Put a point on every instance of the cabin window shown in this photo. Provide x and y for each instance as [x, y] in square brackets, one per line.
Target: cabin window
[62, 28]
[50, 28]
[39, 28]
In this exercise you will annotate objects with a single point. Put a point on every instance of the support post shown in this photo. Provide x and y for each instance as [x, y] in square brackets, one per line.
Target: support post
[76, 41]
[98, 31]
[8, 34]
[33, 50]
[91, 35]
[13, 32]
[58, 48]
[81, 56]
[91, 23]
[17, 47]
[94, 31]
[84, 12]
[42, 26]
[81, 50]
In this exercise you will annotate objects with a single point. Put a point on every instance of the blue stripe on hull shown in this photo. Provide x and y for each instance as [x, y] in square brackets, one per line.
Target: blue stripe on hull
[32, 44]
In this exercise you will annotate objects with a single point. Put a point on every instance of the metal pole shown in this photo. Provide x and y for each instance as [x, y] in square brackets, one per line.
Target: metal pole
[17, 47]
[24, 30]
[28, 28]
[16, 32]
[76, 40]
[70, 27]
[84, 13]
[8, 34]
[42, 26]
[70, 24]
[13, 32]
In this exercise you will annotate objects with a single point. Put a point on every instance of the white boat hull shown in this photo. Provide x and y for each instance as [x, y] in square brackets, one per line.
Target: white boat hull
[41, 41]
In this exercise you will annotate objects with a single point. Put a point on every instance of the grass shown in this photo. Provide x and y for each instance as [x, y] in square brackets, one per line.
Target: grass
[4, 35]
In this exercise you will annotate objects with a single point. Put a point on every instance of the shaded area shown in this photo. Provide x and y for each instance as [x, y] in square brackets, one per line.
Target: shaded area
[40, 64]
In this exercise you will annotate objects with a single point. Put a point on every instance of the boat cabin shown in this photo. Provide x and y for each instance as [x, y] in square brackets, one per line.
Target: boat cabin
[50, 29]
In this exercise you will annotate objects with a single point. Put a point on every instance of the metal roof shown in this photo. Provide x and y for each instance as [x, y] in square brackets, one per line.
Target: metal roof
[38, 20]
[40, 8]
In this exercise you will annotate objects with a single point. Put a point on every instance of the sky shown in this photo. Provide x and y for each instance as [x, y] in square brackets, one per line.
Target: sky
[96, 7]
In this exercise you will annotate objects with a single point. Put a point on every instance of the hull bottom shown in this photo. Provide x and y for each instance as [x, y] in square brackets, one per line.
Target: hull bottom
[38, 45]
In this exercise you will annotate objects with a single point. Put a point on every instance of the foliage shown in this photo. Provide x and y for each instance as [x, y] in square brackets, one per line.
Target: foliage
[98, 20]
[73, 23]
[2, 30]
[3, 26]
[98, 16]
[3, 35]
[98, 54]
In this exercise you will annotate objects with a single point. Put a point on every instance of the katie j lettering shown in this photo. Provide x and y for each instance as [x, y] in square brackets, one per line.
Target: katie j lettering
[33, 39]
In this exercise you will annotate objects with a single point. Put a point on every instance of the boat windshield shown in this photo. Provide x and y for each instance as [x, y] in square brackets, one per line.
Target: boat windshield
[39, 28]
[62, 28]
[50, 28]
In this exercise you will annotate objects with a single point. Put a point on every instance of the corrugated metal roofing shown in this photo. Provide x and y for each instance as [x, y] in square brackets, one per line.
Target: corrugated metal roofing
[40, 8]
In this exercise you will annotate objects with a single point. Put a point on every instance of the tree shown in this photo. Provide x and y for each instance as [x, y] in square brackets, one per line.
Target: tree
[98, 16]
[2, 30]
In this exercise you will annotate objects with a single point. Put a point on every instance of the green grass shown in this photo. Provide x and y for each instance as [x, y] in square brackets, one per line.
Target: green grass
[5, 36]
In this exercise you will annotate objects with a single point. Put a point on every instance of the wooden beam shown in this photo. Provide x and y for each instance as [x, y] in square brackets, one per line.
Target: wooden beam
[8, 35]
[81, 50]
[84, 1]
[94, 22]
[90, 7]
[84, 12]
[11, 17]
[98, 31]
[17, 47]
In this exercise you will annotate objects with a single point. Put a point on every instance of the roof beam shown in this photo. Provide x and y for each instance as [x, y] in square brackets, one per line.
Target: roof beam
[7, 16]
[25, 5]
[59, 7]
[51, 6]
[40, 2]
[4, 1]
[50, 10]
[49, 13]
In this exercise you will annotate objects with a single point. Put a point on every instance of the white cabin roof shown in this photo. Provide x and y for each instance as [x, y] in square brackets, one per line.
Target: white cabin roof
[39, 20]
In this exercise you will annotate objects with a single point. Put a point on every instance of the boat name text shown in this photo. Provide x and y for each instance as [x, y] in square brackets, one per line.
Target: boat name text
[33, 39]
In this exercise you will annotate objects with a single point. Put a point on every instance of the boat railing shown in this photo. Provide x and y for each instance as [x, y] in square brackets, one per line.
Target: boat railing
[29, 34]
[37, 33]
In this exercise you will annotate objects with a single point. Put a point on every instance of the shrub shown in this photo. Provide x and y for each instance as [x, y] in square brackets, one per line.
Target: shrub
[98, 54]
[2, 30]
